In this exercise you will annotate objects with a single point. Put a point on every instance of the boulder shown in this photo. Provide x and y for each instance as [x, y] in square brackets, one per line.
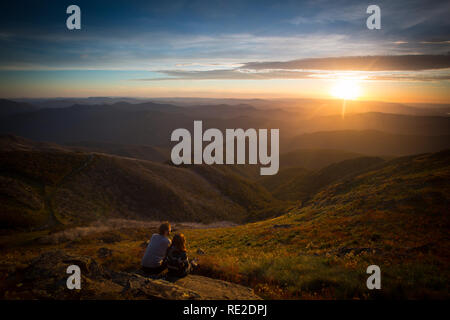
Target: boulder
[136, 286]
[200, 251]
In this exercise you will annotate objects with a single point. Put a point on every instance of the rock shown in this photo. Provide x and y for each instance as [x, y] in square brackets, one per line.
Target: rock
[104, 252]
[135, 286]
[345, 250]
[45, 277]
[88, 266]
[48, 273]
[214, 289]
[111, 238]
[200, 251]
[282, 226]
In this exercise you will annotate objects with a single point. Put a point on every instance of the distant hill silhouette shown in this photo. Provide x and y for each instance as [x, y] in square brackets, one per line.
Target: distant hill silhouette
[9, 107]
[123, 123]
[150, 124]
[387, 122]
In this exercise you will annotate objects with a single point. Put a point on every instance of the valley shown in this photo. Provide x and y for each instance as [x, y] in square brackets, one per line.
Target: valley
[308, 232]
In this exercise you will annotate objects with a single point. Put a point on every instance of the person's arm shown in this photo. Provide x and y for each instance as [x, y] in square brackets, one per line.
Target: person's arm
[168, 244]
[167, 253]
[184, 262]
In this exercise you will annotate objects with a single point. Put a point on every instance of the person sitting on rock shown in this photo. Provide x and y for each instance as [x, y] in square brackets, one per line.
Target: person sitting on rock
[177, 260]
[153, 261]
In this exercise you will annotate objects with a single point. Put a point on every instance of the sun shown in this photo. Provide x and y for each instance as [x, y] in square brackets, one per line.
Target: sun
[345, 89]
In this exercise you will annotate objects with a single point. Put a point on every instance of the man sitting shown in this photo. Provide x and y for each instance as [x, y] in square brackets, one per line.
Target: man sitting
[153, 261]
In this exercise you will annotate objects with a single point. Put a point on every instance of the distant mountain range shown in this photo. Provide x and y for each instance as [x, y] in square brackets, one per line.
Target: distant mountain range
[150, 124]
[9, 107]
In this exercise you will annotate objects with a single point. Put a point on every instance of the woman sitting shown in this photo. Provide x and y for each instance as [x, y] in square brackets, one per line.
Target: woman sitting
[177, 260]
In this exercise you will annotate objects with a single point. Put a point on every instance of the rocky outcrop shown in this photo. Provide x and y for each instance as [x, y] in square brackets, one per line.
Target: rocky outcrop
[213, 289]
[45, 278]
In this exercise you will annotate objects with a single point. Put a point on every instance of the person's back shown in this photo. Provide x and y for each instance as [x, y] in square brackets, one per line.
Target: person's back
[178, 263]
[156, 251]
[154, 256]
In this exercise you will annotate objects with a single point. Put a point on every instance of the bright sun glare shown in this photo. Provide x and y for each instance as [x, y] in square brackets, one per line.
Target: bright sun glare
[345, 89]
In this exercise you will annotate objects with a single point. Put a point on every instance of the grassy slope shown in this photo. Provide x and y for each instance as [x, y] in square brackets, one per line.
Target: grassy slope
[395, 216]
[314, 159]
[46, 187]
[231, 181]
[300, 184]
[150, 153]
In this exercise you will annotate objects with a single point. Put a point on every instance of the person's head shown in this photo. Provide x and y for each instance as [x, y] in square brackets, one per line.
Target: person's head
[179, 242]
[164, 229]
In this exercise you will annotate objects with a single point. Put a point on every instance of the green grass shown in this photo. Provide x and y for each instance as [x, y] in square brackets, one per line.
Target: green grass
[398, 212]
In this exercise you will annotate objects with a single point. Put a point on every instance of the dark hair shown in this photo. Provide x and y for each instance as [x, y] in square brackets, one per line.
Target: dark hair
[179, 242]
[165, 226]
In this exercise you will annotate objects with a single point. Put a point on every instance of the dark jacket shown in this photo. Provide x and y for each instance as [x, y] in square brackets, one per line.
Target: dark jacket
[177, 262]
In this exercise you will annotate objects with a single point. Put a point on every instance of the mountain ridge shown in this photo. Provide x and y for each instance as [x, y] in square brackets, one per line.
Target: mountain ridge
[76, 187]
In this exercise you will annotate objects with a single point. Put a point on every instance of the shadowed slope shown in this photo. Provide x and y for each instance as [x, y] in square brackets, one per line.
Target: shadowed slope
[43, 186]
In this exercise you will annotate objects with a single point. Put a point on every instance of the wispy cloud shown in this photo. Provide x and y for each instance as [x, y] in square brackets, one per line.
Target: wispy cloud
[361, 63]
[398, 68]
[233, 74]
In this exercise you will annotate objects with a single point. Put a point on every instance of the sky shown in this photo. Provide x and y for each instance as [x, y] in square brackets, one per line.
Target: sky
[241, 49]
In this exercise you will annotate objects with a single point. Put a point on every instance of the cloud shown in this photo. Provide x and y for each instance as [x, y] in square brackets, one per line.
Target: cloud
[324, 12]
[396, 68]
[411, 77]
[366, 63]
[445, 42]
[232, 74]
[158, 35]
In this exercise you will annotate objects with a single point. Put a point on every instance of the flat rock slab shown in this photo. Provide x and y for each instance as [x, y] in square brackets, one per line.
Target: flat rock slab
[214, 289]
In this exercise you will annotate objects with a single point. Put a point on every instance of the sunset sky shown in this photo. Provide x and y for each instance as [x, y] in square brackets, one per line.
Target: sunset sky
[241, 49]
